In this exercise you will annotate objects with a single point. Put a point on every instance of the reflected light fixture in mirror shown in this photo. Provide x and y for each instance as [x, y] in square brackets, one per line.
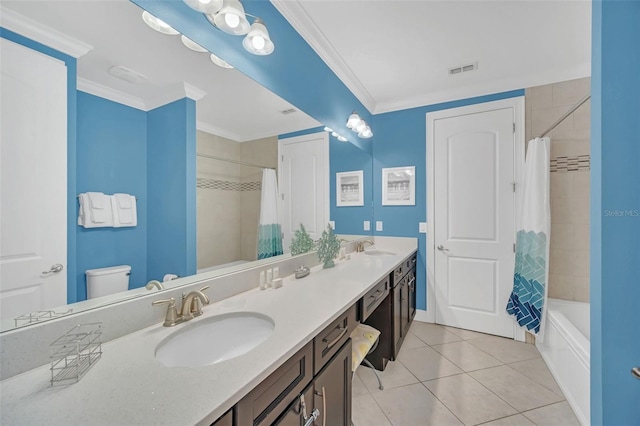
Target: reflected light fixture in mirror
[158, 24]
[192, 44]
[220, 62]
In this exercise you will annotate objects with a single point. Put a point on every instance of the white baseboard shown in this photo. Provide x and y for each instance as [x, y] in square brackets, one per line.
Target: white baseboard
[422, 316]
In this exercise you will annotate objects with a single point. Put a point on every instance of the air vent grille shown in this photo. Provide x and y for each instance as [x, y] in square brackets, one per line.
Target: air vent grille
[463, 68]
[288, 111]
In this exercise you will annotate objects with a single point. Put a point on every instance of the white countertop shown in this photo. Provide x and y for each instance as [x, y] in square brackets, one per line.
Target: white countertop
[128, 386]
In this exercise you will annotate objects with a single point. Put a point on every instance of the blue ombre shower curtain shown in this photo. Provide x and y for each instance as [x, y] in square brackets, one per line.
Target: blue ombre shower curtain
[269, 229]
[531, 272]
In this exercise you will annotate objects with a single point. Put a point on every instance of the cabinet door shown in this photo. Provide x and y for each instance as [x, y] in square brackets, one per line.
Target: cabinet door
[332, 390]
[295, 414]
[226, 420]
[404, 307]
[412, 295]
[397, 318]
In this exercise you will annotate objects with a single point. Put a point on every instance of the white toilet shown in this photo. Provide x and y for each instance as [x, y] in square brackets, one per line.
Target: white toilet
[104, 281]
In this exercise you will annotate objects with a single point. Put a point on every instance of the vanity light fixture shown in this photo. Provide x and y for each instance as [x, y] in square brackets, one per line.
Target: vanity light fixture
[335, 134]
[231, 18]
[205, 6]
[220, 62]
[359, 126]
[192, 44]
[158, 24]
[258, 41]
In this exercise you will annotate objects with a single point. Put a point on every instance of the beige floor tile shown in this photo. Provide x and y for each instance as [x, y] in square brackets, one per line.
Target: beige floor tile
[517, 420]
[468, 400]
[366, 412]
[358, 387]
[464, 334]
[414, 405]
[411, 342]
[393, 376]
[466, 356]
[427, 364]
[537, 370]
[506, 350]
[515, 388]
[433, 334]
[559, 414]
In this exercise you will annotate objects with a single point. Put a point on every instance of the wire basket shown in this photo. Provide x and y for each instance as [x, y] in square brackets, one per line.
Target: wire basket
[37, 316]
[74, 353]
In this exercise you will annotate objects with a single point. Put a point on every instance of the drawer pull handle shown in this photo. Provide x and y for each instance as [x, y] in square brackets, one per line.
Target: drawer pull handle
[343, 331]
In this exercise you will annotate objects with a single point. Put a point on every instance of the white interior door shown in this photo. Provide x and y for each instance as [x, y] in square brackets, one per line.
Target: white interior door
[304, 184]
[33, 181]
[474, 219]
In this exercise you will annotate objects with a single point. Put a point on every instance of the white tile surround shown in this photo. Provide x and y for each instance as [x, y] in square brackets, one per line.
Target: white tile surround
[128, 386]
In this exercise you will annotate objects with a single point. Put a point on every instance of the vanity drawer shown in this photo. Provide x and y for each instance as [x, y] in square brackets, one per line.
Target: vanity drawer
[330, 340]
[374, 298]
[269, 399]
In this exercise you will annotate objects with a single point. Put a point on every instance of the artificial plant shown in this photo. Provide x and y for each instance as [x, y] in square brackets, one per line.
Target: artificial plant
[328, 247]
[301, 242]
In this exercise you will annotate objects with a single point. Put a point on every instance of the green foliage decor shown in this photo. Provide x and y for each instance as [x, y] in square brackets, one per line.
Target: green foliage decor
[328, 247]
[302, 242]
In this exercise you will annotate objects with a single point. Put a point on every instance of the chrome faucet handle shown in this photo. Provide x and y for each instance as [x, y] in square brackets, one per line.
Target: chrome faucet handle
[172, 317]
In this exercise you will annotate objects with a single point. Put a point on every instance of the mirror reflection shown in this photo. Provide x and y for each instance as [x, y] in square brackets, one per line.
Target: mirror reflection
[150, 118]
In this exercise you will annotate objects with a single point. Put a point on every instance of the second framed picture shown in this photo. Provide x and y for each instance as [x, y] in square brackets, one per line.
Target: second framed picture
[349, 189]
[399, 186]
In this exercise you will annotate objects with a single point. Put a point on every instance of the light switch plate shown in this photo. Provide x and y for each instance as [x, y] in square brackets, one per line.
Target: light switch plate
[378, 225]
[367, 225]
[422, 227]
[332, 223]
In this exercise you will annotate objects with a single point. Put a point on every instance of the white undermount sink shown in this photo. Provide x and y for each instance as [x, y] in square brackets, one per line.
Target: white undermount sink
[378, 252]
[211, 340]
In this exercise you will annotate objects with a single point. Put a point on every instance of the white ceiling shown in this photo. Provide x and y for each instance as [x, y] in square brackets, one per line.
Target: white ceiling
[234, 106]
[396, 54]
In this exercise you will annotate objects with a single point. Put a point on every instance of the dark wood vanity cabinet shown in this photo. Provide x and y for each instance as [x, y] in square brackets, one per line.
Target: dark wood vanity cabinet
[316, 377]
[226, 420]
[394, 315]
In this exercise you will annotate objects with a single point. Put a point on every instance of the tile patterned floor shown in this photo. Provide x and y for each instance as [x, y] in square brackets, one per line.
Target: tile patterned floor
[449, 376]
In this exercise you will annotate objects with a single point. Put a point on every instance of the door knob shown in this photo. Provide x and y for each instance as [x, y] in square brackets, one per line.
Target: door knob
[54, 269]
[635, 371]
[442, 248]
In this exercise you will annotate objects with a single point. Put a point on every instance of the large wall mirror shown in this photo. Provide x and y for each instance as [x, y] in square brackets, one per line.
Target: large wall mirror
[238, 123]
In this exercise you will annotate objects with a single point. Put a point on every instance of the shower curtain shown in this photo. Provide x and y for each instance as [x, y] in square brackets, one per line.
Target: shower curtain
[269, 230]
[531, 272]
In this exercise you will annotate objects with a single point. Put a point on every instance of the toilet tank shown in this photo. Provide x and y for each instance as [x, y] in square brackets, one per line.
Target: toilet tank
[104, 281]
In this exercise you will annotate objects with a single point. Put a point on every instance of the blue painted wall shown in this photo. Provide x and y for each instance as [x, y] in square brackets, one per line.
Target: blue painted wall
[400, 140]
[70, 62]
[293, 71]
[171, 189]
[615, 212]
[112, 157]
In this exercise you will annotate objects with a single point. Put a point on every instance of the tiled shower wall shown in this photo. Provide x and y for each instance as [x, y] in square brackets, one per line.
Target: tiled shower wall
[570, 157]
[228, 198]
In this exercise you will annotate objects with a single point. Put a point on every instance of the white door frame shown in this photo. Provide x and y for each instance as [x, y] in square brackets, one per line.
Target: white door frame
[324, 137]
[517, 103]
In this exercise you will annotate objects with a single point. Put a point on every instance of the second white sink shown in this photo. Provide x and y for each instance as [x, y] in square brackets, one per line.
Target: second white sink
[212, 340]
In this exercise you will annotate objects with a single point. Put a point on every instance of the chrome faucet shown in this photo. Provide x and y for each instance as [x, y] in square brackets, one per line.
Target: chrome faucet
[191, 307]
[360, 245]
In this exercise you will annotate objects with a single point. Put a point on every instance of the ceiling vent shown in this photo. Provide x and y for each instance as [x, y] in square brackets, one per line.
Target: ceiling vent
[288, 111]
[463, 68]
[127, 74]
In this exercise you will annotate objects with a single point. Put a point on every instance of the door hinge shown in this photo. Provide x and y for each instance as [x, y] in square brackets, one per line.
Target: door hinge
[514, 247]
[514, 186]
[282, 195]
[514, 127]
[282, 158]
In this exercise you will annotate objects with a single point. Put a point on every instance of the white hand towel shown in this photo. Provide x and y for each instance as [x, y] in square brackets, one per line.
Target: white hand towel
[87, 215]
[97, 207]
[124, 210]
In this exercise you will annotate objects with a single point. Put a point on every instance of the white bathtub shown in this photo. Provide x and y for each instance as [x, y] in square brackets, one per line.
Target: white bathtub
[565, 350]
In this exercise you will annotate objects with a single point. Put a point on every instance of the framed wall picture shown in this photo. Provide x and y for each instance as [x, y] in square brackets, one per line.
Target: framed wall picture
[399, 186]
[349, 189]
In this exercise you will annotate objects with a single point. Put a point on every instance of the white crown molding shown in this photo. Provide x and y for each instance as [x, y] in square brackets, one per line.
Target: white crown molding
[173, 93]
[29, 28]
[211, 129]
[192, 92]
[114, 95]
[295, 13]
[491, 87]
